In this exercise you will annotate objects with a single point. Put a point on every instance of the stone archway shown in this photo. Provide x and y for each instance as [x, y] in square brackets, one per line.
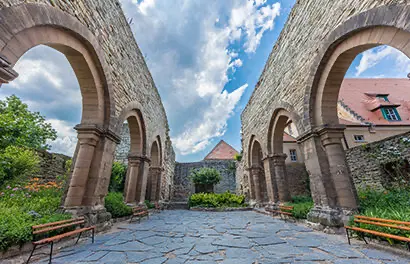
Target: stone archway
[23, 29]
[324, 154]
[136, 158]
[153, 193]
[258, 186]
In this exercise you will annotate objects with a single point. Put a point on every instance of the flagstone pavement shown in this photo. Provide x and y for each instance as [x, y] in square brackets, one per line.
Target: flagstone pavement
[183, 236]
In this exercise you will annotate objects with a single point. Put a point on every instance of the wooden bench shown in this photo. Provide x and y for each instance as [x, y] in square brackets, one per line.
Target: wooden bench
[283, 211]
[139, 212]
[394, 224]
[64, 228]
[157, 207]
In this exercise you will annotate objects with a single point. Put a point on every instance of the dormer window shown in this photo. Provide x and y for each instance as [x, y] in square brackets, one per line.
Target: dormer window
[383, 96]
[390, 113]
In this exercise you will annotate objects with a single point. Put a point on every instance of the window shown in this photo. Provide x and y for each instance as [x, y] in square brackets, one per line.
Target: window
[293, 156]
[358, 138]
[390, 113]
[384, 97]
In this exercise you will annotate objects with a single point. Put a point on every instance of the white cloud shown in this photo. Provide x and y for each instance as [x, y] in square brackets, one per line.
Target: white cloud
[66, 137]
[190, 57]
[372, 57]
[144, 5]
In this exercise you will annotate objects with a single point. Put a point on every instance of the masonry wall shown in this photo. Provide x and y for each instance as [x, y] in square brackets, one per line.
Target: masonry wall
[52, 165]
[365, 161]
[130, 77]
[184, 187]
[284, 79]
[122, 150]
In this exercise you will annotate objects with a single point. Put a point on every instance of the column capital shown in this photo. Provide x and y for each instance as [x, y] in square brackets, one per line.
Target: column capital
[111, 135]
[139, 157]
[332, 135]
[156, 168]
[318, 130]
[253, 168]
[88, 134]
[7, 74]
[278, 158]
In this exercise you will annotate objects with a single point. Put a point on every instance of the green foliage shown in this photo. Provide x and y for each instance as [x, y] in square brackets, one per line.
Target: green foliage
[114, 203]
[238, 156]
[301, 206]
[20, 127]
[118, 174]
[15, 220]
[225, 199]
[149, 204]
[205, 176]
[17, 163]
[392, 204]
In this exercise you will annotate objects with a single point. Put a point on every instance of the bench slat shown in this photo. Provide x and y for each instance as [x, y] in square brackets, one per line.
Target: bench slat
[57, 223]
[382, 220]
[286, 207]
[382, 224]
[57, 227]
[281, 212]
[58, 237]
[378, 233]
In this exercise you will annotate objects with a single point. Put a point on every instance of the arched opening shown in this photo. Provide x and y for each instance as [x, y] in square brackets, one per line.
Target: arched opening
[153, 192]
[327, 109]
[88, 182]
[257, 174]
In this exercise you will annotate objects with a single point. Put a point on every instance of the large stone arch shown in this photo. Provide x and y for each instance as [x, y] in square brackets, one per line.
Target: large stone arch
[257, 182]
[153, 192]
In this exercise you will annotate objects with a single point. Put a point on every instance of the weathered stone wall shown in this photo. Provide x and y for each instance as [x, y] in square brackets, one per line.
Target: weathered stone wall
[122, 150]
[130, 78]
[298, 179]
[285, 78]
[52, 165]
[184, 187]
[364, 161]
[167, 183]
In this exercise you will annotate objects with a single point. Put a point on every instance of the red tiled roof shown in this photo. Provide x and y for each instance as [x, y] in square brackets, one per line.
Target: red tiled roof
[222, 151]
[288, 138]
[360, 96]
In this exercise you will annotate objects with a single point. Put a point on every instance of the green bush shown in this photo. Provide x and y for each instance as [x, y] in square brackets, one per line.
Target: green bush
[225, 199]
[118, 174]
[149, 204]
[390, 204]
[301, 206]
[16, 205]
[114, 203]
[17, 163]
[205, 176]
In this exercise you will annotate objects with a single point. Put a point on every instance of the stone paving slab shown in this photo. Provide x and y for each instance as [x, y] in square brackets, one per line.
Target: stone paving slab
[220, 237]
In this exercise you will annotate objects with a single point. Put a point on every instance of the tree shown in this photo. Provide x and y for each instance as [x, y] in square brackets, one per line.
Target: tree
[205, 178]
[21, 127]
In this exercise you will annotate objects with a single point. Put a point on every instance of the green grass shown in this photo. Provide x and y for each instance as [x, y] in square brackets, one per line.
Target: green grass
[301, 206]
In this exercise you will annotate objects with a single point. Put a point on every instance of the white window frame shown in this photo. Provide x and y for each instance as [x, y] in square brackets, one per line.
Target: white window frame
[293, 155]
[356, 138]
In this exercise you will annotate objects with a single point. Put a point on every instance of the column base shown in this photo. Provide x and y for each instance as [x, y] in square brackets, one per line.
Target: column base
[329, 217]
[97, 216]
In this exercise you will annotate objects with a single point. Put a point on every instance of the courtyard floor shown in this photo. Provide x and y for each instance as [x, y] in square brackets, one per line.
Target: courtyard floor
[220, 237]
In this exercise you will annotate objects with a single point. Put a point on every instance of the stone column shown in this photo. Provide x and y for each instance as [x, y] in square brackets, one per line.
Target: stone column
[142, 181]
[251, 184]
[134, 163]
[88, 138]
[255, 173]
[281, 177]
[7, 74]
[155, 174]
[339, 171]
[271, 185]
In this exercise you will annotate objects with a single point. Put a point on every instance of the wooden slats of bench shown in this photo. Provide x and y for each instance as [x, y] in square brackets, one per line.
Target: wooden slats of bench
[287, 208]
[382, 220]
[281, 212]
[52, 228]
[406, 239]
[59, 237]
[382, 224]
[57, 223]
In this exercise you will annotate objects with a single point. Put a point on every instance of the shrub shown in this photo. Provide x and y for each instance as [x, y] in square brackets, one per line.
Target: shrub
[301, 206]
[238, 156]
[118, 174]
[149, 204]
[205, 176]
[114, 203]
[17, 163]
[225, 199]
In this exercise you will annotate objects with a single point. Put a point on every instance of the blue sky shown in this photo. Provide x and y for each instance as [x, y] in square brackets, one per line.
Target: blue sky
[205, 58]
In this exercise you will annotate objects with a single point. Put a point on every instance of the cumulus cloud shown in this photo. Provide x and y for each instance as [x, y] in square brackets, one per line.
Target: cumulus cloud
[189, 50]
[66, 137]
[375, 56]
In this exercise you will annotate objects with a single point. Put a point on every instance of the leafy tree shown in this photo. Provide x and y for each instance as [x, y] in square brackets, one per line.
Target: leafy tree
[117, 180]
[21, 127]
[205, 176]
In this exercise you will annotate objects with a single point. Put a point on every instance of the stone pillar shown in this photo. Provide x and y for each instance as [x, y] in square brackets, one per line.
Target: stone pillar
[339, 171]
[255, 175]
[142, 181]
[7, 74]
[281, 177]
[251, 184]
[271, 185]
[155, 174]
[88, 138]
[134, 163]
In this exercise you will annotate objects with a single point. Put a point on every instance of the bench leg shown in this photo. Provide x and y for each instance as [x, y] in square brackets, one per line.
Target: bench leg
[78, 238]
[93, 232]
[348, 237]
[408, 246]
[51, 252]
[31, 254]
